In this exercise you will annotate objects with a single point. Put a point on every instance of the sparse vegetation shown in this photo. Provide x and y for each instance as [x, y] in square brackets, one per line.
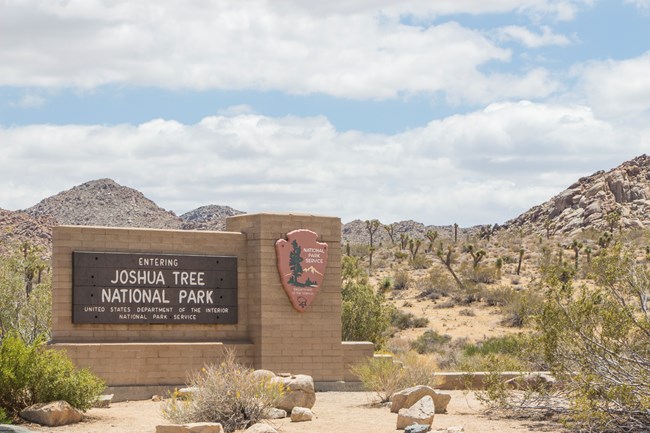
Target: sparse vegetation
[385, 377]
[227, 393]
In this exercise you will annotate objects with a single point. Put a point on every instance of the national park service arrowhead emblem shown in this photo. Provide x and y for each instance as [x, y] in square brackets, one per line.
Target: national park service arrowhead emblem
[301, 262]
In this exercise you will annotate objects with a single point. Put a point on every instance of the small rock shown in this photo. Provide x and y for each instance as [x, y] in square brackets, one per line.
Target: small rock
[156, 398]
[103, 401]
[14, 429]
[260, 428]
[54, 414]
[455, 429]
[275, 413]
[299, 414]
[186, 393]
[417, 428]
[421, 412]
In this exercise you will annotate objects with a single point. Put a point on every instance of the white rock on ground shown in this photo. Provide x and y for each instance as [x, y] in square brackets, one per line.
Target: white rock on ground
[421, 412]
[299, 391]
[299, 414]
[260, 428]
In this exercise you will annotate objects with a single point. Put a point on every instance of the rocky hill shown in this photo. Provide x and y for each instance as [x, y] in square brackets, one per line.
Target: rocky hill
[19, 227]
[620, 196]
[104, 202]
[211, 217]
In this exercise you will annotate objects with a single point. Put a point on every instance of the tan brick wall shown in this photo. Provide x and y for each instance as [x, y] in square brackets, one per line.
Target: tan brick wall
[150, 363]
[269, 334]
[355, 352]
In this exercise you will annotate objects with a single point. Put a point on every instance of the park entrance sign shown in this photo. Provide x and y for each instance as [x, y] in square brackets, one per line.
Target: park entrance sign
[153, 288]
[146, 308]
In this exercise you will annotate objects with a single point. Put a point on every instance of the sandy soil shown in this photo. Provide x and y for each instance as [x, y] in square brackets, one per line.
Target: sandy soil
[336, 412]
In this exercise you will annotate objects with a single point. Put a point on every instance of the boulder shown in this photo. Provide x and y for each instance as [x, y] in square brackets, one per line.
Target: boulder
[299, 391]
[299, 414]
[409, 396]
[195, 427]
[263, 374]
[54, 414]
[260, 428]
[421, 412]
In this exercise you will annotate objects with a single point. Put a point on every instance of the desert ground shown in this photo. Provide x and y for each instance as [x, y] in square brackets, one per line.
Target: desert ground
[336, 412]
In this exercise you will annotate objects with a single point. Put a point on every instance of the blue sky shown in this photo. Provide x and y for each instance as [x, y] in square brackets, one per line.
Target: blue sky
[440, 111]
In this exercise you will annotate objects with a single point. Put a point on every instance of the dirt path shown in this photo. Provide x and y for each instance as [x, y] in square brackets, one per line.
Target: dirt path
[336, 412]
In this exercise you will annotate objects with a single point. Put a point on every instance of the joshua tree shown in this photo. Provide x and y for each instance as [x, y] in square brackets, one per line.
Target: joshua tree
[549, 225]
[498, 265]
[372, 226]
[432, 235]
[414, 246]
[576, 247]
[477, 256]
[588, 252]
[487, 231]
[390, 229]
[521, 258]
[403, 240]
[446, 259]
[613, 218]
[455, 232]
[605, 239]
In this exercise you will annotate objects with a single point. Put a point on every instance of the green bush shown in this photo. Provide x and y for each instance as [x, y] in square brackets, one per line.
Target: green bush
[385, 377]
[365, 316]
[429, 342]
[227, 393]
[31, 374]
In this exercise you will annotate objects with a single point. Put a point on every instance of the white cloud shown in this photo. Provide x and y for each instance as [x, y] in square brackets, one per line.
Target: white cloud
[617, 89]
[530, 39]
[347, 50]
[641, 4]
[483, 167]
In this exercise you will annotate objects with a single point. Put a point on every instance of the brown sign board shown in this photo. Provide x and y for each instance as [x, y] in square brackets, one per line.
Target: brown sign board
[302, 261]
[124, 288]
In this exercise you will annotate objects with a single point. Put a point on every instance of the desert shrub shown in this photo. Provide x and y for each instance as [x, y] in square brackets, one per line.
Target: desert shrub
[385, 377]
[440, 280]
[385, 284]
[522, 306]
[596, 340]
[30, 374]
[420, 261]
[365, 316]
[227, 393]
[480, 274]
[430, 341]
[402, 320]
[401, 279]
[509, 344]
[467, 312]
[400, 255]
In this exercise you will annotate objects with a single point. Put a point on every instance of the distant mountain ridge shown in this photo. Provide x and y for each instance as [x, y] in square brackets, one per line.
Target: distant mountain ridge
[624, 190]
